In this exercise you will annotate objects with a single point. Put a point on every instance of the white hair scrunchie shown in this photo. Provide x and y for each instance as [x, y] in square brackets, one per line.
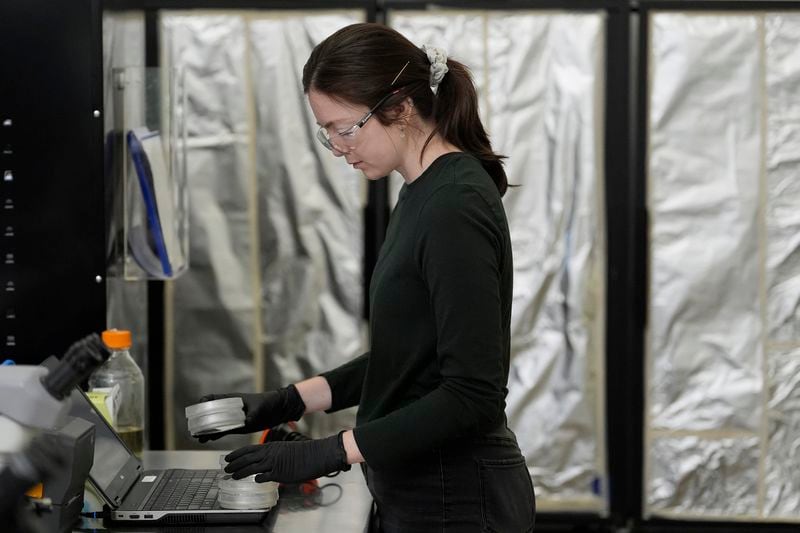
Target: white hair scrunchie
[438, 59]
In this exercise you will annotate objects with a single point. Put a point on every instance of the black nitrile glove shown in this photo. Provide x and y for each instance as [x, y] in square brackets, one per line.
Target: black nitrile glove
[289, 462]
[262, 410]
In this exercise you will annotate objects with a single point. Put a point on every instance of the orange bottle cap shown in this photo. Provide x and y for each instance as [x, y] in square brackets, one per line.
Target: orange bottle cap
[37, 491]
[117, 339]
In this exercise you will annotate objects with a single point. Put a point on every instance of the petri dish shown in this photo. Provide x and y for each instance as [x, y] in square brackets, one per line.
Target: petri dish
[215, 416]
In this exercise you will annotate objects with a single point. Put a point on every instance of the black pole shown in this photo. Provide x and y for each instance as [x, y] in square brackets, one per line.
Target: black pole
[625, 277]
[376, 212]
[155, 290]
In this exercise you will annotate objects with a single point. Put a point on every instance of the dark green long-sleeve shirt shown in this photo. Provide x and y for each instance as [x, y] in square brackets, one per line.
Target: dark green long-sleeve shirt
[440, 301]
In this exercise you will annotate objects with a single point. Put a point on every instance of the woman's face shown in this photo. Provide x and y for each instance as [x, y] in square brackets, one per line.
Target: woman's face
[373, 148]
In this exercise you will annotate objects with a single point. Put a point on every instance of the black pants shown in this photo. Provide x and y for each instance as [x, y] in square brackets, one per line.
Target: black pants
[478, 486]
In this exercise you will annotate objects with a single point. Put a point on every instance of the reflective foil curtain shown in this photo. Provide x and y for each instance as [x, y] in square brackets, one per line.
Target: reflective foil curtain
[723, 379]
[540, 79]
[274, 290]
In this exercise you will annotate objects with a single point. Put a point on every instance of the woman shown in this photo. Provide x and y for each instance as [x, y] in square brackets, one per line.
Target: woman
[431, 432]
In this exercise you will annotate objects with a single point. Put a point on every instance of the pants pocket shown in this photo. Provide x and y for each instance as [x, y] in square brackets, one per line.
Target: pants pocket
[508, 504]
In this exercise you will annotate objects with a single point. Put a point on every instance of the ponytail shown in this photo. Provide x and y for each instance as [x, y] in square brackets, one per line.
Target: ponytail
[455, 112]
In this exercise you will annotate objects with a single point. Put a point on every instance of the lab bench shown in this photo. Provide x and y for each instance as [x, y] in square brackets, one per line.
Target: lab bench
[341, 504]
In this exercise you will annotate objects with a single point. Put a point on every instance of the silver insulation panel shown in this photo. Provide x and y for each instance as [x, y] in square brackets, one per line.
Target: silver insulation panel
[274, 291]
[723, 404]
[540, 81]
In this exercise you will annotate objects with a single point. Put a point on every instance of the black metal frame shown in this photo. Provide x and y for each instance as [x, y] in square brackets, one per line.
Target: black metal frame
[644, 6]
[156, 362]
[625, 277]
[505, 5]
[369, 6]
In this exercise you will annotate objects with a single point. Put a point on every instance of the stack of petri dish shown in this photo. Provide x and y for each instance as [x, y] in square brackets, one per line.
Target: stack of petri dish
[245, 493]
[215, 416]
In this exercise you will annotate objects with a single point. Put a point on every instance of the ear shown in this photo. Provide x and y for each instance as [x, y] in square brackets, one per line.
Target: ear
[403, 110]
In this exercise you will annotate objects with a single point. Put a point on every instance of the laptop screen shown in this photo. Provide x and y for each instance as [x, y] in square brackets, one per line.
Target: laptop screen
[114, 467]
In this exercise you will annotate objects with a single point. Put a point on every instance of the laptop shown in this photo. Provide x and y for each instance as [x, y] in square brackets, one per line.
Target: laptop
[174, 496]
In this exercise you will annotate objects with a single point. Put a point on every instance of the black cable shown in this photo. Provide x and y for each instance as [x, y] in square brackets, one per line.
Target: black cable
[338, 497]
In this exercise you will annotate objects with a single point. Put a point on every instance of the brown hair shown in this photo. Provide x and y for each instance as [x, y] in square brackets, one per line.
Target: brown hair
[358, 63]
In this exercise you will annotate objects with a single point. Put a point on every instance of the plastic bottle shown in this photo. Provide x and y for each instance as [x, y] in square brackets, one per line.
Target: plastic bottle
[117, 388]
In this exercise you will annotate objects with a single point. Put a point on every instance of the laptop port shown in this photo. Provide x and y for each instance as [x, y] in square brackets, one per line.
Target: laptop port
[134, 516]
[148, 516]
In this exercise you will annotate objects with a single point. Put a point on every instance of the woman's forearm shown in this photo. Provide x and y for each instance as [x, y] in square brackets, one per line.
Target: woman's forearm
[351, 448]
[316, 394]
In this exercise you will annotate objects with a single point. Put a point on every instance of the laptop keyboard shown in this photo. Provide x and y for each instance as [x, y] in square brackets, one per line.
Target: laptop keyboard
[181, 490]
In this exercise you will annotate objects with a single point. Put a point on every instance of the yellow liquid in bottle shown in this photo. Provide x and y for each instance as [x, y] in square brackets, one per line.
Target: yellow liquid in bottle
[133, 437]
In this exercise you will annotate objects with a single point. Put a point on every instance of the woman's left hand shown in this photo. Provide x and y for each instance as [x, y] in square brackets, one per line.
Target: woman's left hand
[288, 462]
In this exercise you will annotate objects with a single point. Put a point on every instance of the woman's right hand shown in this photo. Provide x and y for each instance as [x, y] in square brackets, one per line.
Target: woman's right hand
[262, 410]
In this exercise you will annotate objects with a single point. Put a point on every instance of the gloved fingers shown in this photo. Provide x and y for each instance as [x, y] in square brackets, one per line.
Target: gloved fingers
[214, 436]
[253, 468]
[250, 460]
[244, 450]
[209, 397]
[239, 465]
[264, 477]
[211, 436]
